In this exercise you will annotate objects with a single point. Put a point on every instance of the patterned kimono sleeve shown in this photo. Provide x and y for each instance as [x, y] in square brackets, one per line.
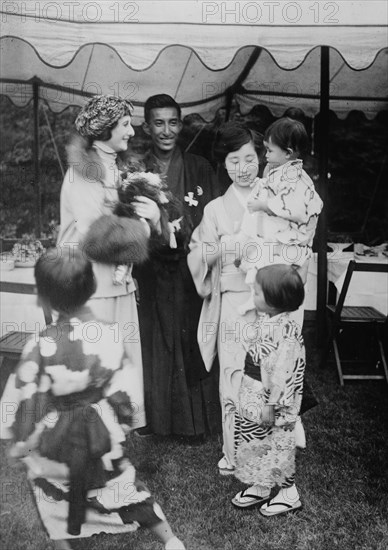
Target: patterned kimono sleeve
[291, 202]
[283, 365]
[119, 399]
[34, 386]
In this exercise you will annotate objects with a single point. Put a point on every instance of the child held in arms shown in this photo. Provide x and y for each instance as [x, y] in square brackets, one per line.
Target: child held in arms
[284, 207]
[71, 424]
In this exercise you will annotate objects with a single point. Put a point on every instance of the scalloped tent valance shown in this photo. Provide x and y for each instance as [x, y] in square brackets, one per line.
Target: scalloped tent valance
[198, 52]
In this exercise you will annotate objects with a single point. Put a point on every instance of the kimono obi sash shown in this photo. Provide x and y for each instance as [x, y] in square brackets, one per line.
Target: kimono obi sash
[233, 282]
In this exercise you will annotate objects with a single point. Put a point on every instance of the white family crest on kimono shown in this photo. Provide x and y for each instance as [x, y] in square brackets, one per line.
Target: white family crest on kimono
[189, 198]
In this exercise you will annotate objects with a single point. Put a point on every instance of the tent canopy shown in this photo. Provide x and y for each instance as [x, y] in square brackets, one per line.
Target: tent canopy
[204, 53]
[198, 52]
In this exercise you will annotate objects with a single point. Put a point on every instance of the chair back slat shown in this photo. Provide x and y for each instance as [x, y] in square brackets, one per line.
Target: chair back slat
[17, 288]
[371, 267]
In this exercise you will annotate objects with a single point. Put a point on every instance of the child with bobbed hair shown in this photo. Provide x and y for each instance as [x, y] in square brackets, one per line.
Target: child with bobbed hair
[270, 396]
[74, 368]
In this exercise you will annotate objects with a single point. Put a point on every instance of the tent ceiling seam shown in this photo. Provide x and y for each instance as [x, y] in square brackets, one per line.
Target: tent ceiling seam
[182, 75]
[87, 67]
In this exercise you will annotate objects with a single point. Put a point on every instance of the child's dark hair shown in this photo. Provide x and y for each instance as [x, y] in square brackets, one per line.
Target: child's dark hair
[282, 286]
[288, 133]
[64, 278]
[230, 137]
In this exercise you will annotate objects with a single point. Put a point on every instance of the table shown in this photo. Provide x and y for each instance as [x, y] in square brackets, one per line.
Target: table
[371, 289]
[366, 289]
[20, 311]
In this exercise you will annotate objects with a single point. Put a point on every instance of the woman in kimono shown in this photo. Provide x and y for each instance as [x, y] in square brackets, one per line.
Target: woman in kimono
[213, 260]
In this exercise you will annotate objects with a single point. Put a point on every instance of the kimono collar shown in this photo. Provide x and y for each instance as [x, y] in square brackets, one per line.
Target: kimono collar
[164, 165]
[84, 314]
[279, 318]
[241, 198]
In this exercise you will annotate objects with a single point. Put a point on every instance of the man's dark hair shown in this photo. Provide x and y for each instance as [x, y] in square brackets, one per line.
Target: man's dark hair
[160, 101]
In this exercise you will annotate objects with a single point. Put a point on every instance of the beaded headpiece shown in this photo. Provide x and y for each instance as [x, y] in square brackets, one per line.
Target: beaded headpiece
[101, 112]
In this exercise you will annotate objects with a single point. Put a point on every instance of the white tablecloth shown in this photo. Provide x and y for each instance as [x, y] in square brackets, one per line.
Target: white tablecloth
[20, 311]
[365, 289]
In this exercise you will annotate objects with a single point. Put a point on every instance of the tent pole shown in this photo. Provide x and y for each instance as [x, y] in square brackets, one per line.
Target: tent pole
[323, 136]
[35, 149]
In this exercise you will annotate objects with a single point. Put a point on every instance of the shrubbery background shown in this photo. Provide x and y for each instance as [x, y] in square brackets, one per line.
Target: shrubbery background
[357, 164]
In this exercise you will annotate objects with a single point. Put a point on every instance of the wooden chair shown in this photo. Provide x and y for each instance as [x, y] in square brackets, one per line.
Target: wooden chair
[13, 342]
[344, 318]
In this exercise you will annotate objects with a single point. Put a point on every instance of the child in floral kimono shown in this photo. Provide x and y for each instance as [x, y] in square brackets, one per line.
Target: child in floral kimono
[73, 415]
[283, 207]
[270, 396]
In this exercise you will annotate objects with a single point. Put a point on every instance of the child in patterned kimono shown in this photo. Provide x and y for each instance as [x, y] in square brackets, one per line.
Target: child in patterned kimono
[73, 415]
[284, 207]
[270, 396]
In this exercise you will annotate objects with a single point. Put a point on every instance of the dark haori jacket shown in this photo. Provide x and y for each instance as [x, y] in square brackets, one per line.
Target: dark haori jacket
[165, 278]
[181, 398]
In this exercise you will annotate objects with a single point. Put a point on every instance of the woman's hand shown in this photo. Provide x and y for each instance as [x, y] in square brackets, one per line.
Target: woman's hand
[148, 209]
[254, 205]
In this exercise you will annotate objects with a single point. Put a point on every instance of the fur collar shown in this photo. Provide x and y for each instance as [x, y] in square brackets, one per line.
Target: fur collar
[79, 154]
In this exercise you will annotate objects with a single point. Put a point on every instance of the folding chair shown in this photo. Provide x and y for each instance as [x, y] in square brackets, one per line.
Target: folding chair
[13, 342]
[344, 317]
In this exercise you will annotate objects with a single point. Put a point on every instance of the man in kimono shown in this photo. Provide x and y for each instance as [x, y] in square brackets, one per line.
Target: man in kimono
[181, 396]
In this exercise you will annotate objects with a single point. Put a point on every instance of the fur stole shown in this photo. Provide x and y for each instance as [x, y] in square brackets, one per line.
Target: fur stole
[117, 240]
[80, 155]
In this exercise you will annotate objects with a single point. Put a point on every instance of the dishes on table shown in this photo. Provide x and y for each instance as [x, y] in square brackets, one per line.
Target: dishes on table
[338, 248]
[364, 252]
[7, 262]
[27, 253]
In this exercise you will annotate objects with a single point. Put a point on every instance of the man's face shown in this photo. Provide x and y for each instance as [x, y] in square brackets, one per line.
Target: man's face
[164, 128]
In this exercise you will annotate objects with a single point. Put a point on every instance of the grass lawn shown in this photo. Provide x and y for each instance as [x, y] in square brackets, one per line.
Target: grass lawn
[342, 478]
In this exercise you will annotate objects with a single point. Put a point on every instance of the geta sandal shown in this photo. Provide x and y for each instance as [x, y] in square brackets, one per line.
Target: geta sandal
[251, 500]
[265, 510]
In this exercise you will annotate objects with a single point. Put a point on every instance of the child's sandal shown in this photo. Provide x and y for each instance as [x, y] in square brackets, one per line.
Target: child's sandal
[268, 510]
